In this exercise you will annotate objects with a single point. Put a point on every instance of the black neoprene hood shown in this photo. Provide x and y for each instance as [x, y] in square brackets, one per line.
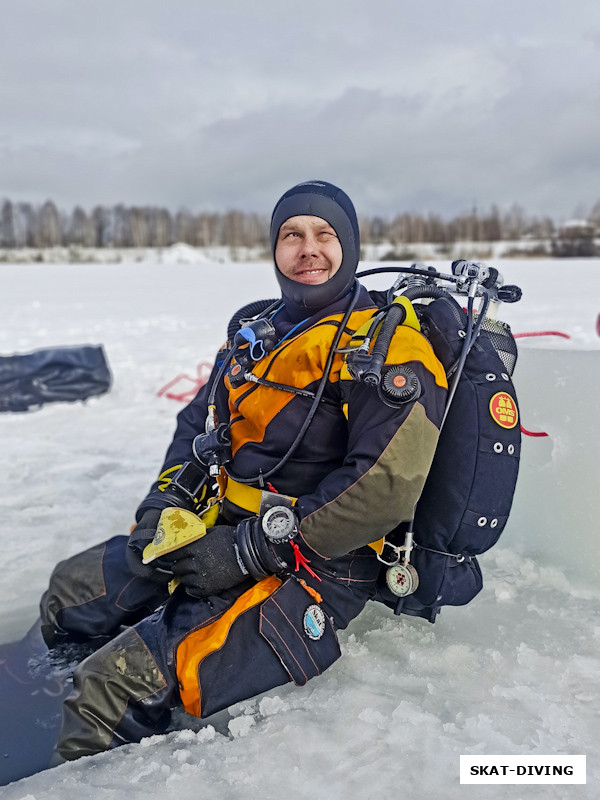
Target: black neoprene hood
[319, 199]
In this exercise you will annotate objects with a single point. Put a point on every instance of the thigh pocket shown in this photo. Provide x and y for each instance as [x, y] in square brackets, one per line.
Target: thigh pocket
[299, 631]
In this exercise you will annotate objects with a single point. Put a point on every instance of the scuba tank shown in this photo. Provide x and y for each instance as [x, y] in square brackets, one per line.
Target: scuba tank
[468, 493]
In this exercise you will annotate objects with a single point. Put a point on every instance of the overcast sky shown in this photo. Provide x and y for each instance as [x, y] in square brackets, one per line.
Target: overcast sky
[428, 105]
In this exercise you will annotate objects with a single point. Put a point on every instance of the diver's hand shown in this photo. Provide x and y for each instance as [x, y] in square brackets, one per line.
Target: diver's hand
[224, 557]
[139, 538]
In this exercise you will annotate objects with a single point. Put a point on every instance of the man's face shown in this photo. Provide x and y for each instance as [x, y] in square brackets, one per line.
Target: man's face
[308, 250]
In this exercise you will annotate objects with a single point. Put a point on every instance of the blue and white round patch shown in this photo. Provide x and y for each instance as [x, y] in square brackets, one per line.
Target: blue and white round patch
[314, 622]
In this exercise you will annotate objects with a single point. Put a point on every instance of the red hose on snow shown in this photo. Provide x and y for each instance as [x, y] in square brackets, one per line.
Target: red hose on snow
[533, 433]
[542, 333]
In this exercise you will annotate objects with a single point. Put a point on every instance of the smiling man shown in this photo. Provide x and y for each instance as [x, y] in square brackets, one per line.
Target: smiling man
[316, 245]
[313, 467]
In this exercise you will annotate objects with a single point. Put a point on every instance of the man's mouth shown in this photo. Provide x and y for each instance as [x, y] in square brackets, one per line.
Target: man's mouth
[314, 274]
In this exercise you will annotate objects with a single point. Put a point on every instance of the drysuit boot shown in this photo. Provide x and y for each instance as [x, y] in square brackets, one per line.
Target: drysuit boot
[119, 696]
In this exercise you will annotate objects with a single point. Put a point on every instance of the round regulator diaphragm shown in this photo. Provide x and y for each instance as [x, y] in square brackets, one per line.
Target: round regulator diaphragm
[400, 384]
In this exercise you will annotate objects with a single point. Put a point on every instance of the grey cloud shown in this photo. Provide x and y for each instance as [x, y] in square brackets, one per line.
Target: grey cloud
[426, 106]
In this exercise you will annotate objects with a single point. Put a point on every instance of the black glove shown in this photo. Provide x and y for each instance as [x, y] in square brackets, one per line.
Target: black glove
[224, 557]
[140, 536]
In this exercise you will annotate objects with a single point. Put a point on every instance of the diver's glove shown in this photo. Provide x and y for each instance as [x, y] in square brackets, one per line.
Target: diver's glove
[225, 557]
[141, 536]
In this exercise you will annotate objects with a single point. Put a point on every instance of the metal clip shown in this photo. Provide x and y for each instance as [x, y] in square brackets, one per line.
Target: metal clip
[397, 551]
[401, 552]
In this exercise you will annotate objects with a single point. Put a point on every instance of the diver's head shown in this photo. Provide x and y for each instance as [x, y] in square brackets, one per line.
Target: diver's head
[315, 243]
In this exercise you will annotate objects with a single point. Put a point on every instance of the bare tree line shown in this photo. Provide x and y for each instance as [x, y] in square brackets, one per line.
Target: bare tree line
[26, 225]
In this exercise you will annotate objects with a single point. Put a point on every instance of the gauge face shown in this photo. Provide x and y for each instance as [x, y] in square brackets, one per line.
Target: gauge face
[279, 524]
[402, 579]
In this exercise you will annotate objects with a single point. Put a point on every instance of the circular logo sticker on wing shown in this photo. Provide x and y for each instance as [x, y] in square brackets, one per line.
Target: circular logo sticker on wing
[504, 410]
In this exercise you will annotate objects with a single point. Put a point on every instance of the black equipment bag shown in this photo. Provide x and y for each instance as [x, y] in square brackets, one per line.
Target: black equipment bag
[57, 374]
[469, 490]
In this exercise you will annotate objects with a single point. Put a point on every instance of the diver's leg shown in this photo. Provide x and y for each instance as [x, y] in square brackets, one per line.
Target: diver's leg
[205, 654]
[93, 594]
[126, 689]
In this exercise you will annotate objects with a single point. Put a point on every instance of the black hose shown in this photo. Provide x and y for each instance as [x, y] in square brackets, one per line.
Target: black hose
[427, 272]
[394, 317]
[472, 332]
[419, 291]
[249, 310]
[428, 290]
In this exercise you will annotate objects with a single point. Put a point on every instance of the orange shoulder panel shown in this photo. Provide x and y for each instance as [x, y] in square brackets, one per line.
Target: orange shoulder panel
[409, 345]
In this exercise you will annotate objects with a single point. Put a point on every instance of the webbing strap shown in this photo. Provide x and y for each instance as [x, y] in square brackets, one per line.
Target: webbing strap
[247, 497]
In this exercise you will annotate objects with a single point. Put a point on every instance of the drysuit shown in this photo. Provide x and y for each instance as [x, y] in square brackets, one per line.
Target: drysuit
[356, 474]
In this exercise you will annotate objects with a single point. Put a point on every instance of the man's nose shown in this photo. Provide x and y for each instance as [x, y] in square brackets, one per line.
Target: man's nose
[309, 246]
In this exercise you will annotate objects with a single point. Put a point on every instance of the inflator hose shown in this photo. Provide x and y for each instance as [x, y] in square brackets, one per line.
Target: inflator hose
[394, 317]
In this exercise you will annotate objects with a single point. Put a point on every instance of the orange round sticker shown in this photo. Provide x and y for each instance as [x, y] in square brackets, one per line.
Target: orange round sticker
[504, 410]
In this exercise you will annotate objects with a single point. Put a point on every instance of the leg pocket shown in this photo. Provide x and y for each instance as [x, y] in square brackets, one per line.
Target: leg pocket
[299, 631]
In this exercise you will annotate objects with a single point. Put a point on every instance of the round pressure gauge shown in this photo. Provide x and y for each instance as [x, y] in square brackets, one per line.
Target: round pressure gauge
[402, 579]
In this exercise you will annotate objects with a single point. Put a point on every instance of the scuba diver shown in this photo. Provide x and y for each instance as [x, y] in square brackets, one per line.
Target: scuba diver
[258, 541]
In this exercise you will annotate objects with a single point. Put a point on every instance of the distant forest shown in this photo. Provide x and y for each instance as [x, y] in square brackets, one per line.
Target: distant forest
[27, 225]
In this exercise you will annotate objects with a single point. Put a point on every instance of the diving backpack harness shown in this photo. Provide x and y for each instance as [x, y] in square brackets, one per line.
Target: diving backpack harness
[431, 560]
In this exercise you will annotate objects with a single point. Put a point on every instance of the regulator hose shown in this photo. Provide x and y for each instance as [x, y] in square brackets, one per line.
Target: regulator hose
[428, 290]
[248, 311]
[262, 476]
[394, 317]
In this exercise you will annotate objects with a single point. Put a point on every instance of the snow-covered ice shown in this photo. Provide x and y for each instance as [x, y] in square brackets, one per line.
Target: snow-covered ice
[515, 672]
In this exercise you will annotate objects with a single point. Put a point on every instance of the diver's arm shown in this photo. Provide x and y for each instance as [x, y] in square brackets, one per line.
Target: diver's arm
[390, 451]
[190, 422]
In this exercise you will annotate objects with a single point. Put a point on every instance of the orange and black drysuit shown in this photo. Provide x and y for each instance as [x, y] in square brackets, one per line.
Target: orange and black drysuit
[357, 474]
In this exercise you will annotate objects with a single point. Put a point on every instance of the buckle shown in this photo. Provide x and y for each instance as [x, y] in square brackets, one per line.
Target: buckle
[390, 555]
